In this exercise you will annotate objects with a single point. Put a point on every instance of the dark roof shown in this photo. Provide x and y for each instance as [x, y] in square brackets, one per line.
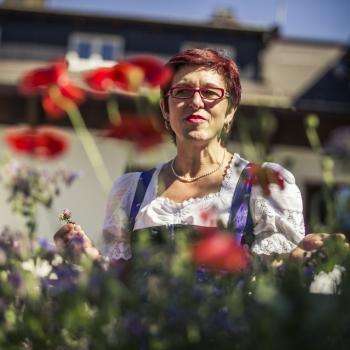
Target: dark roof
[163, 23]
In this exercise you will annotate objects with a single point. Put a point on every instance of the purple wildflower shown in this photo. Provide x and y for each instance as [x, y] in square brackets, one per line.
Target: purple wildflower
[217, 291]
[45, 244]
[202, 274]
[66, 279]
[15, 279]
[72, 176]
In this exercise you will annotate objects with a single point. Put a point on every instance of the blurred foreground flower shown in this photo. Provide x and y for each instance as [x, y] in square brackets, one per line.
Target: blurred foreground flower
[28, 188]
[40, 142]
[218, 251]
[39, 267]
[55, 75]
[264, 176]
[141, 131]
[327, 282]
[130, 75]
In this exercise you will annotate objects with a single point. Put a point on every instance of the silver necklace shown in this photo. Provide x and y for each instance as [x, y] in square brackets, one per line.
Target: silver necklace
[192, 179]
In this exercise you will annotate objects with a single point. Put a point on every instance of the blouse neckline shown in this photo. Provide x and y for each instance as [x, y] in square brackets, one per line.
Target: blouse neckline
[225, 183]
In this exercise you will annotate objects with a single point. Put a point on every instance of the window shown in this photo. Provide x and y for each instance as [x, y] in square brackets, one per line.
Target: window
[88, 50]
[108, 52]
[84, 50]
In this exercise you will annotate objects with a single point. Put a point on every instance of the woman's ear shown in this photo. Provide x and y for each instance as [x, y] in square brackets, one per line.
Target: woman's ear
[231, 111]
[162, 105]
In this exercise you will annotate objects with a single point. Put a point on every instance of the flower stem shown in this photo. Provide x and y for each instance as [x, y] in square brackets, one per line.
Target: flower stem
[113, 111]
[84, 135]
[327, 166]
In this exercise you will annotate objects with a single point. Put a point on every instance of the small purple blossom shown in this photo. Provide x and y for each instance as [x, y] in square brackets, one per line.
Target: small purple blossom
[309, 271]
[45, 244]
[202, 274]
[217, 291]
[15, 279]
[95, 283]
[220, 320]
[66, 279]
[241, 283]
[72, 176]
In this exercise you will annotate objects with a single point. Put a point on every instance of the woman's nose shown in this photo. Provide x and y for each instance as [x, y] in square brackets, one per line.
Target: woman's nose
[196, 100]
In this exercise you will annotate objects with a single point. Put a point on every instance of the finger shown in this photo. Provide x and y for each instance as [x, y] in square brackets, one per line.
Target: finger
[87, 240]
[317, 236]
[93, 253]
[63, 231]
[311, 244]
[341, 236]
[314, 246]
[68, 237]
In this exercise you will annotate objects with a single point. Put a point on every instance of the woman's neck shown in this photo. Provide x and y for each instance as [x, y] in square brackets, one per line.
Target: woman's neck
[193, 159]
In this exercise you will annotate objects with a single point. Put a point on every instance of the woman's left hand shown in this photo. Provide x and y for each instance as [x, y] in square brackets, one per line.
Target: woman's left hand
[311, 242]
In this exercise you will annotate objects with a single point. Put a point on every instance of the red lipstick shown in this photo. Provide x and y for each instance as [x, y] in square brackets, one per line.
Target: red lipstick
[195, 118]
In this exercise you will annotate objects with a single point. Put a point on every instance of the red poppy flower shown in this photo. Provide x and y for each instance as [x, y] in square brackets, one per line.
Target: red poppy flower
[41, 142]
[218, 251]
[156, 74]
[40, 80]
[141, 131]
[130, 75]
[263, 176]
[122, 76]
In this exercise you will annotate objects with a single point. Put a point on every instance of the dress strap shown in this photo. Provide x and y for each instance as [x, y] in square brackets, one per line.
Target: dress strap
[142, 185]
[240, 221]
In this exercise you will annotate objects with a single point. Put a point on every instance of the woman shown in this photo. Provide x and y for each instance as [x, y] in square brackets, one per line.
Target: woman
[198, 108]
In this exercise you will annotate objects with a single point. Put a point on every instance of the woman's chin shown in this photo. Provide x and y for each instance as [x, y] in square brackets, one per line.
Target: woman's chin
[198, 135]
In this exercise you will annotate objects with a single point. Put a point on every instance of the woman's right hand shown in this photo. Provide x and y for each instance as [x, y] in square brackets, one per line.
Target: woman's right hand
[71, 236]
[312, 242]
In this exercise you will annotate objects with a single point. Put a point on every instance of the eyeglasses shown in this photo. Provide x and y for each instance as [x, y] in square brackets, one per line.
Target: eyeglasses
[207, 93]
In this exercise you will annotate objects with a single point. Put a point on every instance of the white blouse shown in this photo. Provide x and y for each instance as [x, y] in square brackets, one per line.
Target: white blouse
[277, 219]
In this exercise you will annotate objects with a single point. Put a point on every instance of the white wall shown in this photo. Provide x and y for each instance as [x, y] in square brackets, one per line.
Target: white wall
[86, 197]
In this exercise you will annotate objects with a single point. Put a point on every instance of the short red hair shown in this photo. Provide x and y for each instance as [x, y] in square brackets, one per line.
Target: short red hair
[211, 59]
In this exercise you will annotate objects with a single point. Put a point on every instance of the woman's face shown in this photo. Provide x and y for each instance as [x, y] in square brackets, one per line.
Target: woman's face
[195, 118]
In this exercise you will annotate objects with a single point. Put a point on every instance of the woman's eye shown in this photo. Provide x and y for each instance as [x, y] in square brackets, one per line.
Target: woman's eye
[210, 93]
[182, 92]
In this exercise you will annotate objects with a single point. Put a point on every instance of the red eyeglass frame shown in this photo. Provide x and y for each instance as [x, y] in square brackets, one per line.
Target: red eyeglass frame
[194, 90]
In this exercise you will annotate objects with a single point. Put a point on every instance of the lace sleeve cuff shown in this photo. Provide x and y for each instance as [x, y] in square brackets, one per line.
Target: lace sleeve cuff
[118, 250]
[271, 243]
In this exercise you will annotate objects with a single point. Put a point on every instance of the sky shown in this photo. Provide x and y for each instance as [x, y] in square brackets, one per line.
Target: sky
[326, 20]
